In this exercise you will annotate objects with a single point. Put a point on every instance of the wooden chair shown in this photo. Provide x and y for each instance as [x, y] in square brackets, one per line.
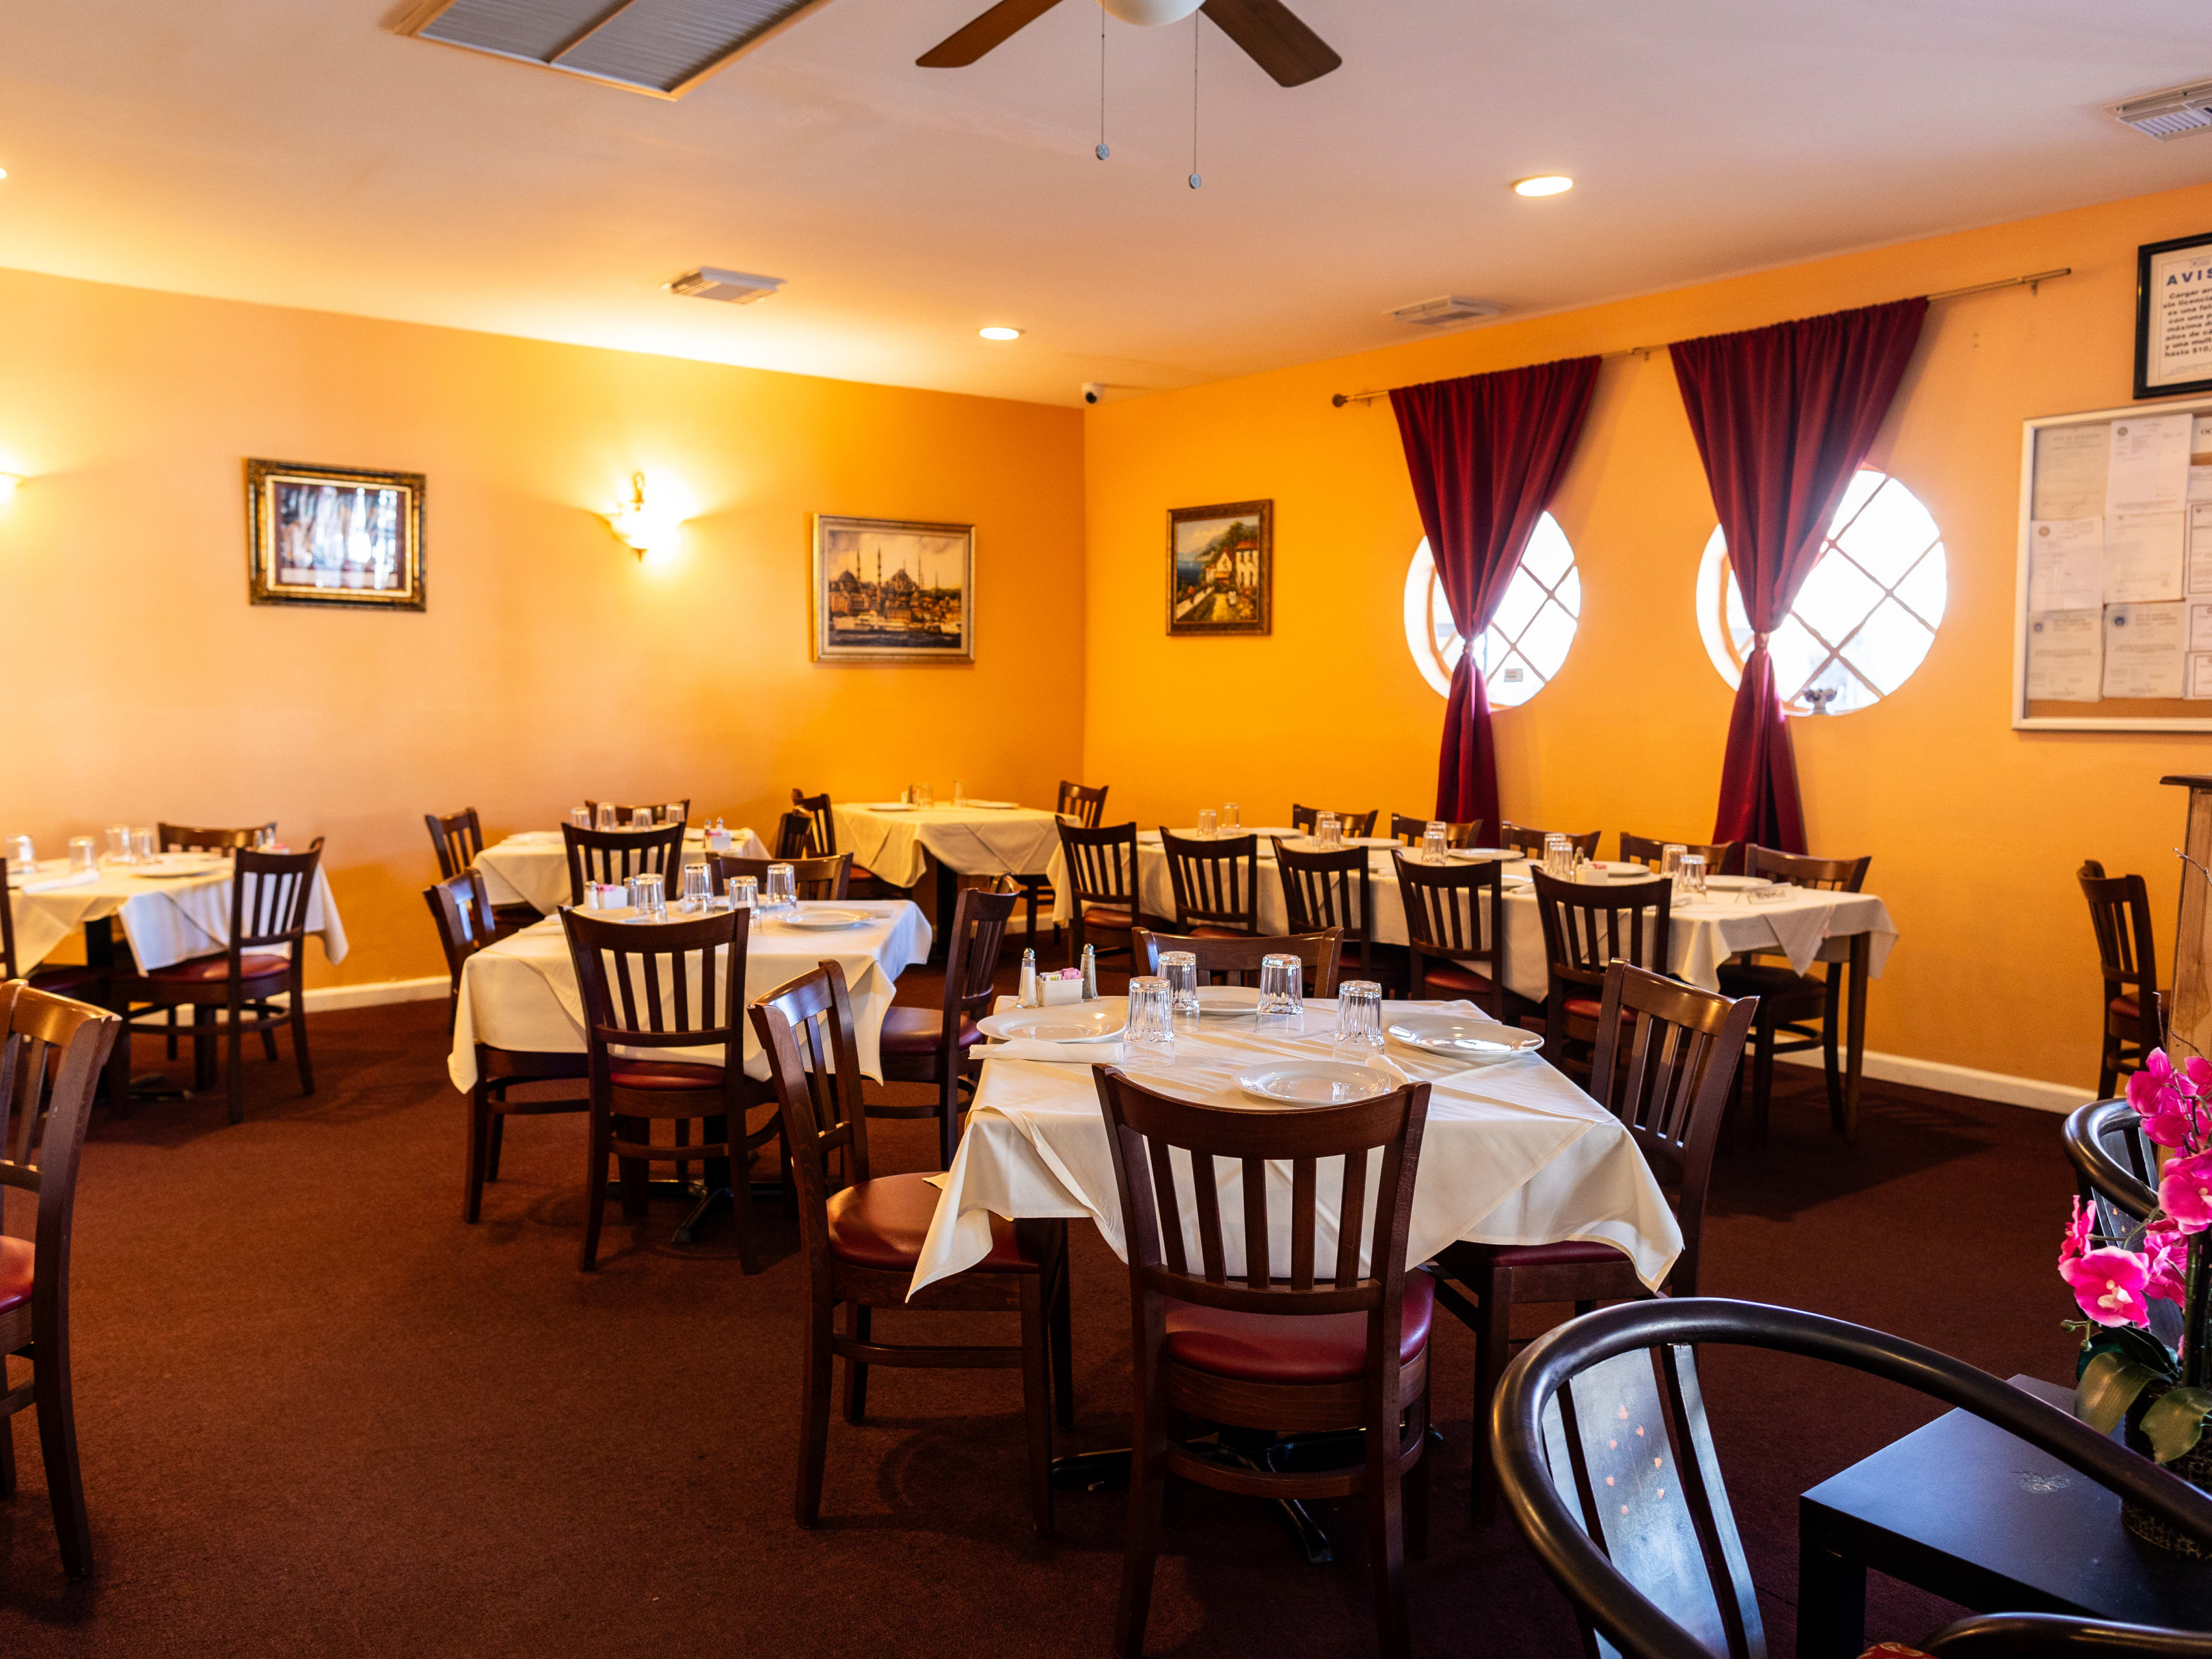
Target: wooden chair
[1306, 1343]
[189, 838]
[1215, 883]
[1236, 960]
[2133, 1014]
[794, 838]
[457, 839]
[812, 879]
[1641, 849]
[931, 1045]
[673, 985]
[60, 979]
[819, 840]
[1355, 825]
[1407, 832]
[50, 1057]
[1796, 1011]
[463, 917]
[1454, 930]
[1666, 1066]
[268, 897]
[1531, 841]
[1322, 891]
[1650, 1561]
[863, 1241]
[624, 812]
[1102, 886]
[612, 855]
[1086, 805]
[1587, 928]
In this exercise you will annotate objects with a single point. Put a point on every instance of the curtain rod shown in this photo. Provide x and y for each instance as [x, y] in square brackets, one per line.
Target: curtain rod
[2032, 282]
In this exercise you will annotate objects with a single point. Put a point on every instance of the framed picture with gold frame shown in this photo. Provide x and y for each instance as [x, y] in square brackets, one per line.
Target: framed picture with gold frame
[1221, 568]
[333, 535]
[893, 590]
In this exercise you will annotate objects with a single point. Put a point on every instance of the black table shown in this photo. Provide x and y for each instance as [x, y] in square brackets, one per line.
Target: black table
[1965, 1510]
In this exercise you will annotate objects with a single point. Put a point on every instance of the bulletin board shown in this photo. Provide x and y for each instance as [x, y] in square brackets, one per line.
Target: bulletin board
[2114, 624]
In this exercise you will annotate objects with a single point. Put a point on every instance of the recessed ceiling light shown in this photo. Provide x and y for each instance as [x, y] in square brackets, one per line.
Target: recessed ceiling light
[997, 332]
[1544, 184]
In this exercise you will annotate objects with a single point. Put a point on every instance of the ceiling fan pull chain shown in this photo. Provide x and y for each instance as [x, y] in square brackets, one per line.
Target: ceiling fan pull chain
[1197, 23]
[1103, 152]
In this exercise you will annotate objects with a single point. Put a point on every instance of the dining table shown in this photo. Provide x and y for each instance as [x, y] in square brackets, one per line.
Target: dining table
[531, 867]
[171, 909]
[899, 842]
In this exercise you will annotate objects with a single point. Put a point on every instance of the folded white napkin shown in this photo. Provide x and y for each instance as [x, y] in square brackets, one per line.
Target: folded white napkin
[67, 879]
[1080, 1053]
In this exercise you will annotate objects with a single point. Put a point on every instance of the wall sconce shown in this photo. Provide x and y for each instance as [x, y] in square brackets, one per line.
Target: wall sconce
[645, 527]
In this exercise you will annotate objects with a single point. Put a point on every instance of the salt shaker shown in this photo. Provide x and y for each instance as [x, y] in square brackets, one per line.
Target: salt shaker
[1090, 973]
[1028, 978]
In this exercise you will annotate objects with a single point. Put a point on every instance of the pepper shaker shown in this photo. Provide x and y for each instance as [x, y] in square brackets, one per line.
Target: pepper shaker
[1090, 974]
[1028, 978]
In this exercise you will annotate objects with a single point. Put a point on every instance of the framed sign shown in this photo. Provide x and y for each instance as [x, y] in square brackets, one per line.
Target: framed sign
[891, 589]
[2174, 317]
[333, 535]
[1221, 568]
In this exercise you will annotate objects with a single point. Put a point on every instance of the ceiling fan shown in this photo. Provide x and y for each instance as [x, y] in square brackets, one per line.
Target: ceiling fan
[1270, 34]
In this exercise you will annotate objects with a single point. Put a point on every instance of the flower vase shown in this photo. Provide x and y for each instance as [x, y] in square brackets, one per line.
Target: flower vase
[2194, 1465]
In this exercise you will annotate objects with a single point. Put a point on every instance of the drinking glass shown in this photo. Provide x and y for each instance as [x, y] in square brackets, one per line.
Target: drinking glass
[1437, 827]
[118, 843]
[1150, 1030]
[1180, 969]
[1229, 821]
[1433, 842]
[1209, 823]
[959, 793]
[640, 817]
[1358, 1016]
[780, 893]
[22, 852]
[580, 816]
[1670, 857]
[1559, 857]
[145, 846]
[1690, 877]
[744, 892]
[673, 812]
[698, 887]
[1328, 831]
[1280, 1007]
[84, 852]
[605, 820]
[647, 895]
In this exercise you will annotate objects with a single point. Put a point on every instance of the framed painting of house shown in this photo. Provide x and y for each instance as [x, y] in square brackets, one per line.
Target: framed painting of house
[892, 590]
[1221, 568]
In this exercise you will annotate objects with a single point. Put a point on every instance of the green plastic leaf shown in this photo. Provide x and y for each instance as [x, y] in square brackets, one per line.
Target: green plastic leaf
[2175, 1420]
[2108, 1387]
[2131, 1343]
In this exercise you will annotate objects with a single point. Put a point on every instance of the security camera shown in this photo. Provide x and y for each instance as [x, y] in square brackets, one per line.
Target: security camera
[1093, 390]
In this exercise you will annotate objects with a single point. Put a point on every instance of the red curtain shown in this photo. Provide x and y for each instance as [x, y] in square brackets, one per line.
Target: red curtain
[1783, 416]
[1485, 454]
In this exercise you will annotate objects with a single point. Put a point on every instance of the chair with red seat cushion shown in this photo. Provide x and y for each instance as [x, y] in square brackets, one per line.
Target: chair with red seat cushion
[52, 1051]
[1587, 926]
[1216, 883]
[1455, 929]
[1301, 1340]
[659, 986]
[1233, 959]
[2127, 956]
[1666, 1064]
[265, 958]
[1102, 886]
[931, 1045]
[864, 1239]
[1322, 891]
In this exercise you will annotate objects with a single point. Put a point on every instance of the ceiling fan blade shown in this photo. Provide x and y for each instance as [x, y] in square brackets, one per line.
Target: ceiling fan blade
[1274, 38]
[966, 44]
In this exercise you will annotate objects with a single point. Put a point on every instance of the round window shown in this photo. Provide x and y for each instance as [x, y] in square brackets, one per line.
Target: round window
[1526, 641]
[1864, 618]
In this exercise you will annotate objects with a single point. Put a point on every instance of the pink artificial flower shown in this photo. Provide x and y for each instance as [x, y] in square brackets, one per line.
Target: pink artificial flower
[2166, 1248]
[2184, 1192]
[2078, 1238]
[2109, 1285]
[2198, 1071]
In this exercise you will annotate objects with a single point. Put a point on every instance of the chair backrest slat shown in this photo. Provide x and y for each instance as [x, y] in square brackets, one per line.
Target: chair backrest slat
[1589, 925]
[460, 905]
[1102, 864]
[269, 895]
[456, 838]
[2119, 912]
[819, 838]
[1087, 806]
[1326, 890]
[669, 968]
[607, 856]
[1455, 912]
[1216, 882]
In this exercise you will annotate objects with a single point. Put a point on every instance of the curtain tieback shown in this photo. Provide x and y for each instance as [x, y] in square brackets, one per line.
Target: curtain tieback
[1758, 641]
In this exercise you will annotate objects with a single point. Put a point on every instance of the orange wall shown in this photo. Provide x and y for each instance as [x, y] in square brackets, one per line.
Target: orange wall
[550, 665]
[1975, 830]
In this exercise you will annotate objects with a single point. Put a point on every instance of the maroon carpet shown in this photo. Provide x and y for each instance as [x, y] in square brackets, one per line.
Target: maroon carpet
[320, 1414]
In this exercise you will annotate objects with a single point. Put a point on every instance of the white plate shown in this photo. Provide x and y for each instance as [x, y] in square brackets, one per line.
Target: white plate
[1312, 1083]
[823, 921]
[1735, 884]
[173, 868]
[1463, 1037]
[1076, 1022]
[1228, 1001]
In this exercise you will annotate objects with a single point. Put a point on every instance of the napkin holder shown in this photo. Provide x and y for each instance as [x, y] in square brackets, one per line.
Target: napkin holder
[717, 841]
[1056, 990]
[606, 896]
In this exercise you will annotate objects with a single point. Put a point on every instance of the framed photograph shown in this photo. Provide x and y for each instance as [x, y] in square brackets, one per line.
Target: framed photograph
[333, 535]
[891, 589]
[1221, 568]
[2174, 317]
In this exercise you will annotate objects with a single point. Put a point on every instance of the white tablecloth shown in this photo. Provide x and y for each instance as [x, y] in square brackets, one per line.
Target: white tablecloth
[1513, 1154]
[522, 994]
[532, 867]
[979, 841]
[1804, 924]
[166, 922]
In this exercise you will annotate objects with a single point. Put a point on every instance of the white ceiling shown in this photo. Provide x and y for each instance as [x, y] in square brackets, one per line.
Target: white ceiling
[302, 154]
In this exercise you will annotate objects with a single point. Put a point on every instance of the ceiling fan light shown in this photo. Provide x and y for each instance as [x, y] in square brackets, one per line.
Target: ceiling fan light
[1150, 13]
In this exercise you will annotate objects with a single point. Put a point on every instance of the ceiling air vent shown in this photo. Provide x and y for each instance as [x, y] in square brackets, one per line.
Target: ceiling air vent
[663, 47]
[2174, 113]
[733, 288]
[1452, 309]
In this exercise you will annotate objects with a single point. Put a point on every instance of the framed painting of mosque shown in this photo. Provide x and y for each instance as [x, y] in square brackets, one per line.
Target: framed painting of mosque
[1221, 568]
[892, 590]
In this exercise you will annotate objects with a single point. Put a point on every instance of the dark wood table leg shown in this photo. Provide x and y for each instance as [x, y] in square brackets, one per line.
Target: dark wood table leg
[948, 902]
[1854, 1036]
[1831, 1593]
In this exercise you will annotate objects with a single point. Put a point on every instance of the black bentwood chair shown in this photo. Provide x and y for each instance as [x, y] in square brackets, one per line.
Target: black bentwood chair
[1659, 1556]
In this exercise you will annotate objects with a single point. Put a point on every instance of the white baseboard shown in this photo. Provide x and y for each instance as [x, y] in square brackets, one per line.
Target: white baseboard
[1962, 1080]
[326, 998]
